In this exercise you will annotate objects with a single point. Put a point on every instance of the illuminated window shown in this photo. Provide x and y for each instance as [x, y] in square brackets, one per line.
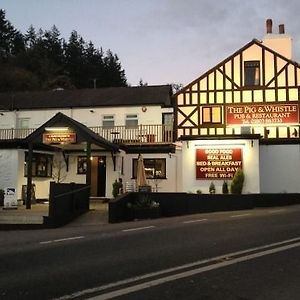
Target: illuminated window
[154, 168]
[252, 73]
[131, 121]
[81, 164]
[212, 114]
[108, 121]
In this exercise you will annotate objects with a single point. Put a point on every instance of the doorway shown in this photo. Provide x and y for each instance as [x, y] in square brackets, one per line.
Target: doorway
[101, 181]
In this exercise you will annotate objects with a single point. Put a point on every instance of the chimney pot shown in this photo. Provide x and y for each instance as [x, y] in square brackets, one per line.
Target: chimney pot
[281, 29]
[269, 25]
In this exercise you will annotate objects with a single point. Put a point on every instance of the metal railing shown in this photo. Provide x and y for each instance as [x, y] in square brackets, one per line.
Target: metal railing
[141, 134]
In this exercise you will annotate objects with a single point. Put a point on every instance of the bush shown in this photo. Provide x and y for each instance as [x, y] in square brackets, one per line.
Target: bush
[212, 188]
[237, 182]
[117, 188]
[225, 188]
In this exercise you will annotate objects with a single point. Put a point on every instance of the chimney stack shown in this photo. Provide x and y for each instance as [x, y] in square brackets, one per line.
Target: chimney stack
[281, 29]
[269, 25]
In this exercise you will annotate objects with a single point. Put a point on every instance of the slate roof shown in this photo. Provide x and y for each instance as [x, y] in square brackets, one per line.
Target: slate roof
[114, 96]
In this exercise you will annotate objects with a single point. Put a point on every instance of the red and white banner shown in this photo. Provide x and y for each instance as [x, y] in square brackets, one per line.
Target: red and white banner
[218, 164]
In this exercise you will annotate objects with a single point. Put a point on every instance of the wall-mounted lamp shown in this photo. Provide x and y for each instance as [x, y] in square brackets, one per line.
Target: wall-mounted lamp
[188, 144]
[92, 111]
[1, 114]
[252, 143]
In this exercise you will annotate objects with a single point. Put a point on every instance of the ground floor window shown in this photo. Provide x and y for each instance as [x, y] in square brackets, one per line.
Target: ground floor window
[41, 165]
[154, 168]
[81, 164]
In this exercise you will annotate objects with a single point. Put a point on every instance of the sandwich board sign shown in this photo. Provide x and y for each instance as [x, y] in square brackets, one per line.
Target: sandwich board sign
[10, 198]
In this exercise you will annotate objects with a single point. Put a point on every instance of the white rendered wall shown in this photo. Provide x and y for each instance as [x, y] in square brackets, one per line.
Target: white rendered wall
[250, 157]
[8, 168]
[152, 115]
[280, 168]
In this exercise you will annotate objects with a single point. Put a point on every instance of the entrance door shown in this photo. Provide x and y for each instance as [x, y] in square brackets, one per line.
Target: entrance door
[167, 120]
[101, 176]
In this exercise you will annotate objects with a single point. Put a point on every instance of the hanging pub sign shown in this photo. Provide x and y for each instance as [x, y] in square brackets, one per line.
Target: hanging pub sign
[262, 114]
[59, 138]
[218, 164]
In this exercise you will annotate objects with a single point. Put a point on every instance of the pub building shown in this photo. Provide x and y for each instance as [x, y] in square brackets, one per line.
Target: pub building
[243, 113]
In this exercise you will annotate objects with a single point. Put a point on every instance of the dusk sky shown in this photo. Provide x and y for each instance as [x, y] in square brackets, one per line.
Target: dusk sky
[161, 41]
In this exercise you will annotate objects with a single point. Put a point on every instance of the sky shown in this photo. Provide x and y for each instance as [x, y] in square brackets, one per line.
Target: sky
[161, 41]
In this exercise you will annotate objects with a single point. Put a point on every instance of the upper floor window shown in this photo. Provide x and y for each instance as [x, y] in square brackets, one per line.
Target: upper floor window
[131, 120]
[108, 121]
[252, 73]
[212, 114]
[22, 123]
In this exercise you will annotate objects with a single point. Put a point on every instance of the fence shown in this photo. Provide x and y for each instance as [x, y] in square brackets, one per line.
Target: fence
[66, 201]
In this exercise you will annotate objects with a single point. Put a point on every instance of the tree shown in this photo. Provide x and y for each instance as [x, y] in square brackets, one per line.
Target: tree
[46, 61]
[114, 74]
[11, 40]
[59, 171]
[142, 83]
[237, 182]
[74, 58]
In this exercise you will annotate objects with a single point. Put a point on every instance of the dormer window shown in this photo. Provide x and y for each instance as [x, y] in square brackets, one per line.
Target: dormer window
[252, 73]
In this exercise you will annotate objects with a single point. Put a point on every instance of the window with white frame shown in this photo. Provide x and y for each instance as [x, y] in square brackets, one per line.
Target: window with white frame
[131, 120]
[108, 121]
[22, 123]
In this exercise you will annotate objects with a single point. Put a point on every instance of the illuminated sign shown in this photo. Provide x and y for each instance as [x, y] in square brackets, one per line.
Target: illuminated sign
[218, 164]
[262, 114]
[59, 138]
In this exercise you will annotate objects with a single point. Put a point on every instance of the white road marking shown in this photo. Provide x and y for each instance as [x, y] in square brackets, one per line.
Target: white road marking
[275, 211]
[137, 228]
[194, 221]
[222, 261]
[239, 216]
[63, 240]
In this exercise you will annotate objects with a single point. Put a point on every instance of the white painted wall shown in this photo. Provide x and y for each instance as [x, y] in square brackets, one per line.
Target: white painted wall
[8, 168]
[250, 156]
[280, 168]
[152, 116]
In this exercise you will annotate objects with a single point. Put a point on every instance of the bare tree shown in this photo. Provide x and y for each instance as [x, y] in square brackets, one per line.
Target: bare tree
[59, 170]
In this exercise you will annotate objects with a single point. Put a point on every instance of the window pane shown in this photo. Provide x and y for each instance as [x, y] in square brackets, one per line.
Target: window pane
[81, 165]
[252, 73]
[131, 121]
[206, 115]
[216, 115]
[154, 168]
[108, 121]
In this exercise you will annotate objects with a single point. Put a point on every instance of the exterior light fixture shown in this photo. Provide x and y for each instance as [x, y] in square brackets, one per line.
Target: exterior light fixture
[56, 129]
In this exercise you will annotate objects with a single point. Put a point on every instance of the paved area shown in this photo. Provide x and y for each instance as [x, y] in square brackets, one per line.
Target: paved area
[98, 214]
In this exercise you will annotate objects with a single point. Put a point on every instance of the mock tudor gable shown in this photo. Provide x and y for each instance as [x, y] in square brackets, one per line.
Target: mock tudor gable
[255, 90]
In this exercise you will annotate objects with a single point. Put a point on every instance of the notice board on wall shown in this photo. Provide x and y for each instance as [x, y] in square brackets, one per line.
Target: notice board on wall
[218, 164]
